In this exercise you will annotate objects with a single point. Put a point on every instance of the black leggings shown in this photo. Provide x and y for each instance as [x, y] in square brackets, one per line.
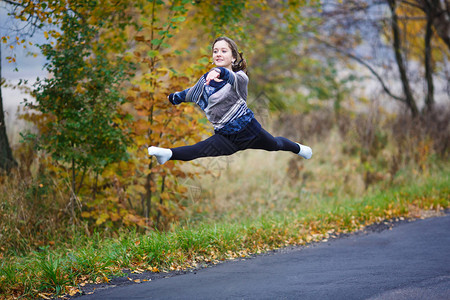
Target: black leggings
[253, 136]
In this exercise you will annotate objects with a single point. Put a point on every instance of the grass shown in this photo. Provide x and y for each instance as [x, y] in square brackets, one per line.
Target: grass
[61, 269]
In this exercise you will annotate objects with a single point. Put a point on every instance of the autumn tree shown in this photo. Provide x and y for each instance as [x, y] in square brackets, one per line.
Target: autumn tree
[155, 188]
[398, 33]
[437, 22]
[80, 101]
[77, 106]
[437, 16]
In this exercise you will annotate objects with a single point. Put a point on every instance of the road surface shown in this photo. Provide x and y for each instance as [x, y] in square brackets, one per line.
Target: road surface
[411, 261]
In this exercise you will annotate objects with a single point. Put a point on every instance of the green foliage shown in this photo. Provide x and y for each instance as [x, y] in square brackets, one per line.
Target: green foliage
[80, 101]
[219, 17]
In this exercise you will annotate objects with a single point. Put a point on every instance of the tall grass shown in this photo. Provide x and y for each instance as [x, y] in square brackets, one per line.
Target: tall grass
[32, 213]
[361, 156]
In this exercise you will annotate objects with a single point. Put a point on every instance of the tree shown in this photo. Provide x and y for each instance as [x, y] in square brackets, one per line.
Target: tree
[80, 101]
[76, 107]
[397, 46]
[395, 33]
[438, 15]
[156, 121]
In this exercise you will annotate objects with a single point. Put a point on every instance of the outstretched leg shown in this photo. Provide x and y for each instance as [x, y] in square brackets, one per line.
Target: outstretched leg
[215, 145]
[267, 142]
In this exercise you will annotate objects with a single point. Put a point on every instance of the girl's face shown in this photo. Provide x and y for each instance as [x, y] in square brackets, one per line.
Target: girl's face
[222, 55]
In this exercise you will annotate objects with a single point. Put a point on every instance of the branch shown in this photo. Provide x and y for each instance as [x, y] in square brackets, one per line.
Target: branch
[12, 2]
[412, 4]
[409, 18]
[359, 60]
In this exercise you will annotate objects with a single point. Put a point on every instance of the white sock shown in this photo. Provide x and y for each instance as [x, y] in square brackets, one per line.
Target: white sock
[305, 151]
[162, 154]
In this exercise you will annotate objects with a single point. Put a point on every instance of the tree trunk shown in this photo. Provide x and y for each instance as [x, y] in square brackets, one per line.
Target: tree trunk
[399, 59]
[440, 13]
[73, 195]
[429, 100]
[149, 179]
[7, 161]
[158, 222]
[148, 196]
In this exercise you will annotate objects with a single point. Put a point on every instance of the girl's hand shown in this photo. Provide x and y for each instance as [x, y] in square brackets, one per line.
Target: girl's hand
[213, 75]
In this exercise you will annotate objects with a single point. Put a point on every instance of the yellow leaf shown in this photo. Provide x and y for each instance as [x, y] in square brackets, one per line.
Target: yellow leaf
[153, 269]
[136, 189]
[102, 218]
[138, 271]
[114, 217]
[72, 291]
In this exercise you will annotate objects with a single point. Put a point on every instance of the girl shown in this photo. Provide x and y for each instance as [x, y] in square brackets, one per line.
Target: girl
[221, 94]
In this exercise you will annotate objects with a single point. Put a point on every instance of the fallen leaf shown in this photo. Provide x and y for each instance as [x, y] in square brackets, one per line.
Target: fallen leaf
[139, 270]
[153, 269]
[74, 291]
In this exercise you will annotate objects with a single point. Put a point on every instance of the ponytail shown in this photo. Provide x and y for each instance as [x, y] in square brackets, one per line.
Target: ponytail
[239, 64]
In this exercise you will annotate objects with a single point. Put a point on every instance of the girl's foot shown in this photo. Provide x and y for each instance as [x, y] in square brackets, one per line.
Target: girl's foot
[305, 151]
[162, 154]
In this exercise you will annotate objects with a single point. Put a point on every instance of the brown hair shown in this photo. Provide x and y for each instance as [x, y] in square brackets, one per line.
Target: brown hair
[239, 63]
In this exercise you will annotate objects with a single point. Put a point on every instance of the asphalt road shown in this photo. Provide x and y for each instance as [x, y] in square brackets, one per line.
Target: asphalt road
[411, 261]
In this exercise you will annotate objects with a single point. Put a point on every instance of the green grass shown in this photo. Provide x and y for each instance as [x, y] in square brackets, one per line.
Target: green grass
[96, 258]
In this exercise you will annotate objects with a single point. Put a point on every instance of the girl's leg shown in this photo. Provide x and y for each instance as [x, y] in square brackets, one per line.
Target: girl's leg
[216, 145]
[267, 142]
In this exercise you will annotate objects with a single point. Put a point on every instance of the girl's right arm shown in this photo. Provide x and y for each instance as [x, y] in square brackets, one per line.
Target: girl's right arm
[178, 97]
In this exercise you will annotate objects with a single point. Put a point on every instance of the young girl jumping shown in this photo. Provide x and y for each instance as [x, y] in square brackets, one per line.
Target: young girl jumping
[221, 94]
